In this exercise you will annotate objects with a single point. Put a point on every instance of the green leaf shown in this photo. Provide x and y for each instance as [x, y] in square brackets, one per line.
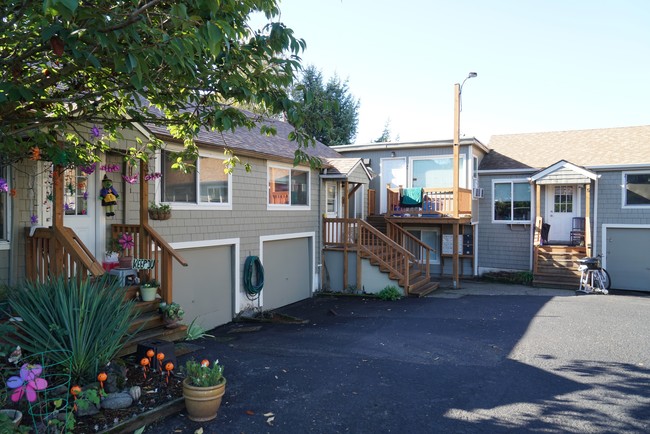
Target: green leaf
[70, 5]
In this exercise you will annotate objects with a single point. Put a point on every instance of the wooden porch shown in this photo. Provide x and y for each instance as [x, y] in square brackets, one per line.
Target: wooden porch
[58, 252]
[404, 258]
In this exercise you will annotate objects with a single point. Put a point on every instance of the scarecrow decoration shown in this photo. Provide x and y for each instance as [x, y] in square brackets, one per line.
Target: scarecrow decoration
[109, 196]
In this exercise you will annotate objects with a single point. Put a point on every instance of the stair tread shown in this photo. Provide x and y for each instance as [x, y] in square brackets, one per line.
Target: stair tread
[156, 333]
[424, 290]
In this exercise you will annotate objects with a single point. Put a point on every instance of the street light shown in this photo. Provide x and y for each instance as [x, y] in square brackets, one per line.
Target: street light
[458, 89]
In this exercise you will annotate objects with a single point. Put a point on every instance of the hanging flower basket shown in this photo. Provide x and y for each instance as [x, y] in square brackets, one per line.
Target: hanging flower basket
[159, 211]
[159, 215]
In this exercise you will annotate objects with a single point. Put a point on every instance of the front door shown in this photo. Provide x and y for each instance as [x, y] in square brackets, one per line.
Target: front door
[562, 206]
[79, 203]
[393, 172]
[332, 199]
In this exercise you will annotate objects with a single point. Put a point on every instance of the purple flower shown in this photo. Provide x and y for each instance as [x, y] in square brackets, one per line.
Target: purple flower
[88, 170]
[130, 179]
[4, 187]
[126, 241]
[151, 176]
[110, 168]
[95, 132]
[85, 195]
[34, 219]
[28, 383]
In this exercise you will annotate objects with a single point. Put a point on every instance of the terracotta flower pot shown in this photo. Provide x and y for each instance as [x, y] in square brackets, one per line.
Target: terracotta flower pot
[126, 262]
[202, 403]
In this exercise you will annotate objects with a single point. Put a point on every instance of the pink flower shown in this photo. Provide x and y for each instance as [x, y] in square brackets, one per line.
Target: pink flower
[126, 241]
[28, 383]
[130, 179]
[151, 176]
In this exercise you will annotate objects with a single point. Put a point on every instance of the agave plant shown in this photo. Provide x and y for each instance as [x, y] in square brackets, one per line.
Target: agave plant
[88, 320]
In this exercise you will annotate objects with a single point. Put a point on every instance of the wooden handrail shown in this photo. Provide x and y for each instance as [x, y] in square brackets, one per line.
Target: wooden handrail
[75, 261]
[414, 244]
[155, 247]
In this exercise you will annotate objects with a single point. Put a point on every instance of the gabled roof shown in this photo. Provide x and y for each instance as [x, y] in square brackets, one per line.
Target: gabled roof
[586, 148]
[562, 164]
[251, 142]
[341, 168]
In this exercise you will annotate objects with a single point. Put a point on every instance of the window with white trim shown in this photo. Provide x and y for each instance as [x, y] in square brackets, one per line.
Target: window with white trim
[288, 186]
[430, 237]
[437, 172]
[206, 185]
[512, 202]
[636, 189]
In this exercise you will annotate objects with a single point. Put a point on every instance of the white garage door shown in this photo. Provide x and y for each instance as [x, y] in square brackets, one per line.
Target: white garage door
[287, 272]
[205, 287]
[628, 259]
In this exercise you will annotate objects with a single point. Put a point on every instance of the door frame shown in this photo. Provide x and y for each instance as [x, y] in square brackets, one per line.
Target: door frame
[550, 202]
[383, 197]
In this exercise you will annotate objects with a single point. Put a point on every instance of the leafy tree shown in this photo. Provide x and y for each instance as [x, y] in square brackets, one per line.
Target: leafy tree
[385, 135]
[330, 113]
[67, 66]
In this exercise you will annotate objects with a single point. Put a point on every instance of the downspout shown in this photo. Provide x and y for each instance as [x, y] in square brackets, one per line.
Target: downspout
[320, 213]
[594, 233]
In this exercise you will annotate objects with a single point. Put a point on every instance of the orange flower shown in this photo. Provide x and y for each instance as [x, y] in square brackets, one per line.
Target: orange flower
[36, 153]
[75, 390]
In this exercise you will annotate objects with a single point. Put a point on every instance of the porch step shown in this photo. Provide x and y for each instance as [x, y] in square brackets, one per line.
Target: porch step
[175, 334]
[378, 221]
[424, 290]
[147, 321]
[549, 281]
[557, 266]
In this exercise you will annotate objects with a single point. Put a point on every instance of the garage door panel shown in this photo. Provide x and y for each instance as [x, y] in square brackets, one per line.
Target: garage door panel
[205, 287]
[628, 261]
[287, 272]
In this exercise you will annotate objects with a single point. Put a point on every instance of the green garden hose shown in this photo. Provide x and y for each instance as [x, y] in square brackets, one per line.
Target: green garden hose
[253, 262]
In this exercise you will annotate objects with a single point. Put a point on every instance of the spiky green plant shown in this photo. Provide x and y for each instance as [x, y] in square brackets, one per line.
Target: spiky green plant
[89, 320]
[390, 293]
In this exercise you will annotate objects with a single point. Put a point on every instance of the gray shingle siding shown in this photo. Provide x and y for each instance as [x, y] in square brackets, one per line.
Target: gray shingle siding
[501, 246]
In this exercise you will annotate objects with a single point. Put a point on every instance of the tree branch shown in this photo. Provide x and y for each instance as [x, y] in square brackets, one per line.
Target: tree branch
[132, 18]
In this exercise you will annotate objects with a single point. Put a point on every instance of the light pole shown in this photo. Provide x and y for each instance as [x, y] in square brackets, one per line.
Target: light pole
[458, 89]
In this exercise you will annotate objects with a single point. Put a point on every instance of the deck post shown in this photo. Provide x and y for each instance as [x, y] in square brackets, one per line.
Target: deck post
[143, 241]
[588, 245]
[56, 249]
[456, 258]
[346, 234]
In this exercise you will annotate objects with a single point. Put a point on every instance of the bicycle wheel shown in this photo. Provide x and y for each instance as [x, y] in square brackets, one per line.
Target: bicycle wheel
[607, 281]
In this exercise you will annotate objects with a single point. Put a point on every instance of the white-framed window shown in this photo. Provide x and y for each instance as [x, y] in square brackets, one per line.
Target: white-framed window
[436, 172]
[430, 237]
[289, 187]
[4, 210]
[206, 186]
[511, 201]
[636, 189]
[475, 168]
[331, 198]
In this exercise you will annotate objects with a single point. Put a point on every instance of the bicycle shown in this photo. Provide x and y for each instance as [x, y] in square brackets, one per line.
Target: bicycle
[594, 279]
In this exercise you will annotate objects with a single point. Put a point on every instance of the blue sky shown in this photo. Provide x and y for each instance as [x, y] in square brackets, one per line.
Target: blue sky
[542, 65]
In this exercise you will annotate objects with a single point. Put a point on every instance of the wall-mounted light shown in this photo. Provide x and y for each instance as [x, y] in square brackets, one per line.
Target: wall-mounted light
[392, 153]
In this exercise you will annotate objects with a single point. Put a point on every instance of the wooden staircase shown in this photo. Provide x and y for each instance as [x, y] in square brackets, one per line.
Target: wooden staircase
[419, 285]
[377, 221]
[557, 266]
[149, 324]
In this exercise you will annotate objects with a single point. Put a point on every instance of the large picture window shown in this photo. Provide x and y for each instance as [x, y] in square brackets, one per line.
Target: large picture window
[437, 172]
[636, 189]
[207, 185]
[288, 186]
[511, 202]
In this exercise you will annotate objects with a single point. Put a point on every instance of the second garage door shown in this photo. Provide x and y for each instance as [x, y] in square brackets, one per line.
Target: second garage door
[628, 261]
[288, 268]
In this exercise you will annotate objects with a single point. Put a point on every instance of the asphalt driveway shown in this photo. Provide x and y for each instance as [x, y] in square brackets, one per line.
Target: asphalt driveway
[464, 361]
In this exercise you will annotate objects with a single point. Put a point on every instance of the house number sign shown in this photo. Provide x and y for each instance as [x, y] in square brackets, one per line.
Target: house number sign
[143, 264]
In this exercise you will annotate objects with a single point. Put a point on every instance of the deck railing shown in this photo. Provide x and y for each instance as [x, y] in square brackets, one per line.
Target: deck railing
[420, 251]
[155, 248]
[356, 234]
[52, 254]
[436, 202]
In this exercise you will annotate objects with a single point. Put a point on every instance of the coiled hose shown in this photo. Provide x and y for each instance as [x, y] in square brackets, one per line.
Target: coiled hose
[253, 263]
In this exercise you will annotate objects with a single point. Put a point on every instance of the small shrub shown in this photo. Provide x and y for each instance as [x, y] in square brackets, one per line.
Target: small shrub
[518, 278]
[390, 293]
[87, 321]
[202, 374]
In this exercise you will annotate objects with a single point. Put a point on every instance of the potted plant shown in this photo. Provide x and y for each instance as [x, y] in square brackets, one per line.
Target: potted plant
[113, 250]
[149, 290]
[171, 313]
[203, 388]
[124, 244]
[160, 211]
